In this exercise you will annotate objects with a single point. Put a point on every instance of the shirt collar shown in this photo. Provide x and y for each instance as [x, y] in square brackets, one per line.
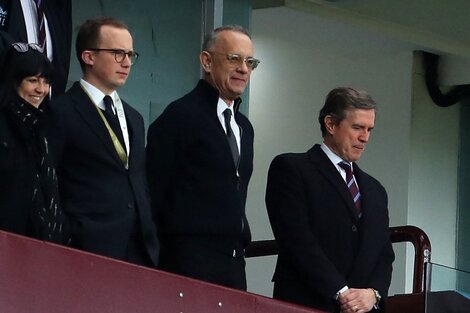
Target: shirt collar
[222, 106]
[97, 95]
[334, 158]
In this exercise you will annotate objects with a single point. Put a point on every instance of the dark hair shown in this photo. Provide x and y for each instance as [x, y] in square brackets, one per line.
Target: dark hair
[18, 65]
[340, 100]
[89, 34]
[211, 38]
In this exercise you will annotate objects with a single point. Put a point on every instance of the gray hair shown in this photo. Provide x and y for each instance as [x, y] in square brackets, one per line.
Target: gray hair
[211, 38]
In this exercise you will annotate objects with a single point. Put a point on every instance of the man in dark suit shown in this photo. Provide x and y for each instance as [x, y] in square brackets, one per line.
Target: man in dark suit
[331, 225]
[19, 18]
[200, 161]
[101, 151]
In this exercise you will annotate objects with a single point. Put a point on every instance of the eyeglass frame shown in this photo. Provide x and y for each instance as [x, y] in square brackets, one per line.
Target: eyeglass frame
[133, 56]
[23, 47]
[235, 58]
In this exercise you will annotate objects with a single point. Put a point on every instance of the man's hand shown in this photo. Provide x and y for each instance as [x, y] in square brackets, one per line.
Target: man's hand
[357, 300]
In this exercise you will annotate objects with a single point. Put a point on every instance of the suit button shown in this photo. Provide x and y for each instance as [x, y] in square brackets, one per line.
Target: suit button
[354, 228]
[130, 205]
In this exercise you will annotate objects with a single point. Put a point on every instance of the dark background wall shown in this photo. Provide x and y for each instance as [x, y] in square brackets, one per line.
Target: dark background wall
[463, 212]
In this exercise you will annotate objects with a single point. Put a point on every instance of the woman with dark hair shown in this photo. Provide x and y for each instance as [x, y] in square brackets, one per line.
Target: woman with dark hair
[29, 201]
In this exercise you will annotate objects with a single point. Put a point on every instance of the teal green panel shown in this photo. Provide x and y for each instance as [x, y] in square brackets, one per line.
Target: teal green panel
[167, 34]
[239, 12]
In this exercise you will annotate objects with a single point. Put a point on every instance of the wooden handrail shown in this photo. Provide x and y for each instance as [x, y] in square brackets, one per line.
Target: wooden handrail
[422, 247]
[408, 233]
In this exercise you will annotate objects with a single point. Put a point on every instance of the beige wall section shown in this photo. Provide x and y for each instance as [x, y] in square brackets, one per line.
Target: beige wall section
[433, 174]
[413, 150]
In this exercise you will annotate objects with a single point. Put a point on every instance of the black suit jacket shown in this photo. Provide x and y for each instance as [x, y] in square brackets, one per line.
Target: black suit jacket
[16, 177]
[102, 199]
[194, 186]
[323, 245]
[59, 18]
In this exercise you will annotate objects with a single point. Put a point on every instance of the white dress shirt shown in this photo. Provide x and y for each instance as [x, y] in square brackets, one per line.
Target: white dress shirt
[31, 22]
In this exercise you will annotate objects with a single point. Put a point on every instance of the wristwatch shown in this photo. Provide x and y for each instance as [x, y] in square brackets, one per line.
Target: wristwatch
[378, 297]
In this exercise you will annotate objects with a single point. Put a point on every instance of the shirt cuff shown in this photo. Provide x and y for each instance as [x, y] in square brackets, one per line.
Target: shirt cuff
[341, 291]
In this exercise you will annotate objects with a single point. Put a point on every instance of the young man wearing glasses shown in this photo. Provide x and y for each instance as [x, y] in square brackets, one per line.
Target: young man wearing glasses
[199, 162]
[101, 151]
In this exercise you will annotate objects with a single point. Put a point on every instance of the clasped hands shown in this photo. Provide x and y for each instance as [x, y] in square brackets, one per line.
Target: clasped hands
[357, 300]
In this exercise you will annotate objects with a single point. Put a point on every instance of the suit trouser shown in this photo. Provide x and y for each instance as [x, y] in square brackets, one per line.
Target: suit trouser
[136, 250]
[216, 261]
[298, 292]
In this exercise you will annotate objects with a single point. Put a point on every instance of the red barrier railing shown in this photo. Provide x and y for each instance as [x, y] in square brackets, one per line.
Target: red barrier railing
[40, 277]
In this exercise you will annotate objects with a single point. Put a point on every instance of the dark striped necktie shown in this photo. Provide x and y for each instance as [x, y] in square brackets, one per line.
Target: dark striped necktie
[41, 26]
[353, 189]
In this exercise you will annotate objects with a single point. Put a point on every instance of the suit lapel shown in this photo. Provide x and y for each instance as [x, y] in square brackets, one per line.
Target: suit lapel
[15, 23]
[132, 122]
[86, 108]
[245, 149]
[51, 24]
[210, 98]
[328, 170]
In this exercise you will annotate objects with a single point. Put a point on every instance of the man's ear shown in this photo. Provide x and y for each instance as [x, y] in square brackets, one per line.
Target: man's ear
[87, 57]
[330, 123]
[206, 60]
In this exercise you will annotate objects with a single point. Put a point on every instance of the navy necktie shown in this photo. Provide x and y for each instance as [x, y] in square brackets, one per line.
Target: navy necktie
[231, 137]
[113, 119]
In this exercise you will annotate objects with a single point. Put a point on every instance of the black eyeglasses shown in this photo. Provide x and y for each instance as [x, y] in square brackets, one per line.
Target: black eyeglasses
[120, 55]
[24, 47]
[236, 59]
